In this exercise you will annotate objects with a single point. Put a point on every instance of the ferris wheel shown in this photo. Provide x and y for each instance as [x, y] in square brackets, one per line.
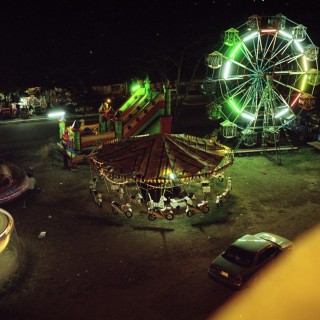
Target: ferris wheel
[262, 78]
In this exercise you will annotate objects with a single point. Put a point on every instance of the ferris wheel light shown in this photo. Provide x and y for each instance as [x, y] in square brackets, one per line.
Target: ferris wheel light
[304, 81]
[250, 36]
[268, 76]
[290, 117]
[248, 116]
[235, 107]
[298, 46]
[295, 100]
[305, 63]
[285, 34]
[134, 88]
[228, 64]
[235, 50]
[268, 30]
[281, 113]
[227, 70]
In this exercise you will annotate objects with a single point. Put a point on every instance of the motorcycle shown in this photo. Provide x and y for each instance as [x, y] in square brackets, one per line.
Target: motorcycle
[201, 207]
[97, 196]
[180, 203]
[165, 212]
[224, 197]
[124, 209]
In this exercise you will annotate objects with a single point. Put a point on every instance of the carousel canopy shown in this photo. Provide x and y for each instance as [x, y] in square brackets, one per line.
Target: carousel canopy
[154, 158]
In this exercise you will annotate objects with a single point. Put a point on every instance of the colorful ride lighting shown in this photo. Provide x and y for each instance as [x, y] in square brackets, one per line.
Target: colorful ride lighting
[228, 63]
[285, 34]
[281, 113]
[295, 100]
[298, 46]
[235, 50]
[305, 63]
[303, 84]
[235, 107]
[268, 30]
[134, 88]
[250, 36]
[226, 70]
[248, 116]
[267, 74]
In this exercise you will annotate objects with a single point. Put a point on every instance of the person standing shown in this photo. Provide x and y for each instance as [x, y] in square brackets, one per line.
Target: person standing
[30, 196]
[66, 161]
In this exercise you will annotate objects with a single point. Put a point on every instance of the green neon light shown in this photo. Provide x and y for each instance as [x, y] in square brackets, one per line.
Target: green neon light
[226, 70]
[227, 66]
[136, 87]
[235, 107]
[235, 50]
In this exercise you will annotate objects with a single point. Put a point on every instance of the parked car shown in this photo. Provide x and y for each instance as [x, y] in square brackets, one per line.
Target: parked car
[245, 256]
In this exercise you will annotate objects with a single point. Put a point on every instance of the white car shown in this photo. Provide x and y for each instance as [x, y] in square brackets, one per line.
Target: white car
[245, 256]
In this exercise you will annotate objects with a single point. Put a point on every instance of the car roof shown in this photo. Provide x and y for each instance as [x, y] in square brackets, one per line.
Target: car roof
[251, 243]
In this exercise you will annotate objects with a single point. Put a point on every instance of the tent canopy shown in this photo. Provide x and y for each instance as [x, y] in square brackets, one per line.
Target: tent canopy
[155, 157]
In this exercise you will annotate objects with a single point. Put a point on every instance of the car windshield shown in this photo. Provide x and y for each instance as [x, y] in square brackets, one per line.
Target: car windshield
[238, 256]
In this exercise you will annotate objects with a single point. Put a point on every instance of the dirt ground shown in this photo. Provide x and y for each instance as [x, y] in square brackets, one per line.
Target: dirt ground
[96, 265]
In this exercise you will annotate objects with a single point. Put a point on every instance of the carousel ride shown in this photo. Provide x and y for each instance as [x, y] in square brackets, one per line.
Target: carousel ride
[161, 174]
[262, 78]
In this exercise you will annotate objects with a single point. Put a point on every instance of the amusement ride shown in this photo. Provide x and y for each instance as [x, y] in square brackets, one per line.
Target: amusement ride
[262, 78]
[160, 174]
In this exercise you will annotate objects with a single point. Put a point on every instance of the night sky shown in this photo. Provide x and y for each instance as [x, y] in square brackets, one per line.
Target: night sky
[60, 43]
